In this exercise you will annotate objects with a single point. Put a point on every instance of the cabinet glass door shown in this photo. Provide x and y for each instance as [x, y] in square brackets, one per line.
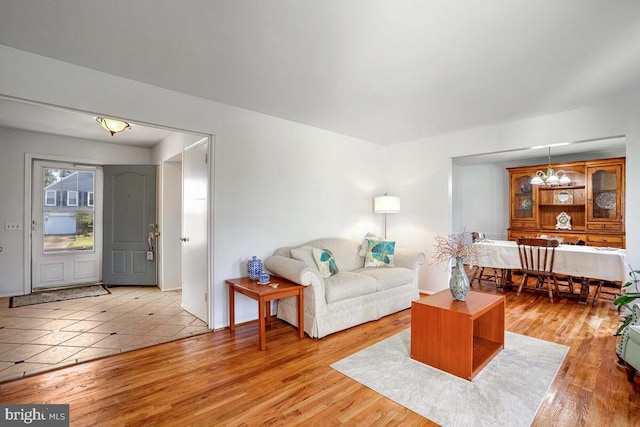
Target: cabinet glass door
[605, 202]
[522, 197]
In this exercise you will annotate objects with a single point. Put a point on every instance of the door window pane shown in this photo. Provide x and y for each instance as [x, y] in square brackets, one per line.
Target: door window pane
[68, 211]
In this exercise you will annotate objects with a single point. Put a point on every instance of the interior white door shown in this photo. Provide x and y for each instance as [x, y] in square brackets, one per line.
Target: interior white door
[195, 230]
[66, 224]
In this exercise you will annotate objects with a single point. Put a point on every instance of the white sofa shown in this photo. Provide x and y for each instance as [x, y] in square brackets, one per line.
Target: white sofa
[352, 296]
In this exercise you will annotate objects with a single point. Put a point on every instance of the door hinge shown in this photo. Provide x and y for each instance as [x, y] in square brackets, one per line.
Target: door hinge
[205, 297]
[206, 158]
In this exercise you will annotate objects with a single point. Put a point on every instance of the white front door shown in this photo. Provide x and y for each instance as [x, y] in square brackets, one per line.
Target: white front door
[66, 224]
[195, 230]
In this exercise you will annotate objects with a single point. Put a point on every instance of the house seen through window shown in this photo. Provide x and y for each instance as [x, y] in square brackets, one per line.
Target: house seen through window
[68, 211]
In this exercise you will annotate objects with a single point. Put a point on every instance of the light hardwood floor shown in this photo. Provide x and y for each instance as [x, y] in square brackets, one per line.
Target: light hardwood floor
[221, 378]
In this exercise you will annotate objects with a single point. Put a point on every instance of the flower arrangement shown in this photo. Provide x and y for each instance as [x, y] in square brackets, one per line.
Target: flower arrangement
[455, 246]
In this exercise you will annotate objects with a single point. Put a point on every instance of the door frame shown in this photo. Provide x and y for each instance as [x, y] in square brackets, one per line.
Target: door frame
[28, 161]
[211, 227]
[210, 219]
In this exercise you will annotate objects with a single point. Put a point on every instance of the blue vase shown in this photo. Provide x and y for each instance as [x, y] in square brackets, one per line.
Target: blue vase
[254, 268]
[459, 282]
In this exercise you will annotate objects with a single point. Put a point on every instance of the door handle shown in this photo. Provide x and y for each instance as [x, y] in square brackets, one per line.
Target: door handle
[184, 239]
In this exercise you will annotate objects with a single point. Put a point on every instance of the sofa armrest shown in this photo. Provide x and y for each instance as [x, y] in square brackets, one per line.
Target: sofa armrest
[291, 269]
[408, 258]
[300, 273]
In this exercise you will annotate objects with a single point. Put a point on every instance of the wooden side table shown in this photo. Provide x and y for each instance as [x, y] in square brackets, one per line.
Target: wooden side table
[264, 294]
[458, 337]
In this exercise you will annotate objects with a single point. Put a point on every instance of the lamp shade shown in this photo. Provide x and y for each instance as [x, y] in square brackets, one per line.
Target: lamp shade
[386, 204]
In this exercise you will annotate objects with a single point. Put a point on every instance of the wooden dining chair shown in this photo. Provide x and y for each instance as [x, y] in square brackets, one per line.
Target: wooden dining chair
[479, 273]
[613, 289]
[536, 260]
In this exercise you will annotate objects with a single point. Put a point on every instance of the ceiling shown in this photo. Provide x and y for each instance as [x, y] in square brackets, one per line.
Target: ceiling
[386, 72]
[58, 121]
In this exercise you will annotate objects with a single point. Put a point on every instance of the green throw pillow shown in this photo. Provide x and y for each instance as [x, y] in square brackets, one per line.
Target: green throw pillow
[325, 261]
[379, 253]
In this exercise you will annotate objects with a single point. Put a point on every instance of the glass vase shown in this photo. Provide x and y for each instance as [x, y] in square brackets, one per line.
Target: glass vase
[459, 281]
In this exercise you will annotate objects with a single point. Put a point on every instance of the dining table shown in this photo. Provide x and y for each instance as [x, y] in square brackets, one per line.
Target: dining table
[584, 262]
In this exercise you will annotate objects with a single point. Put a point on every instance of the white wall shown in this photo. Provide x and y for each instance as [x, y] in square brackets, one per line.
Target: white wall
[14, 145]
[172, 146]
[280, 183]
[481, 199]
[170, 226]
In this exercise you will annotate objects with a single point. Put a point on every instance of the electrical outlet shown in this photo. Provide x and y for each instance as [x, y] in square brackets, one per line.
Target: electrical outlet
[12, 226]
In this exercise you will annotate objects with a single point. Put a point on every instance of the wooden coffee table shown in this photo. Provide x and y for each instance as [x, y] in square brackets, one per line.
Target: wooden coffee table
[264, 294]
[458, 337]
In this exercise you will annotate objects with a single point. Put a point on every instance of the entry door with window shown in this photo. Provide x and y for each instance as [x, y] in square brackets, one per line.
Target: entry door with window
[65, 225]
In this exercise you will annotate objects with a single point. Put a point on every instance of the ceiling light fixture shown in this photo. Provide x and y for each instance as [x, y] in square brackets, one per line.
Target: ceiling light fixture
[551, 177]
[113, 126]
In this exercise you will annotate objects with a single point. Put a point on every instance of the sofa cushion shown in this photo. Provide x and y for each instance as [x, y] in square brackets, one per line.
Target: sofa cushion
[347, 284]
[325, 261]
[379, 253]
[304, 254]
[388, 278]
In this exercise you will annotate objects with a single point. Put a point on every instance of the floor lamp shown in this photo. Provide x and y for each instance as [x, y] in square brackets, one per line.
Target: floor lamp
[384, 205]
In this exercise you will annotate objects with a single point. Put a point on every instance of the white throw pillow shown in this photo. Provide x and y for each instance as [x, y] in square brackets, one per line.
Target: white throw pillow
[325, 261]
[379, 253]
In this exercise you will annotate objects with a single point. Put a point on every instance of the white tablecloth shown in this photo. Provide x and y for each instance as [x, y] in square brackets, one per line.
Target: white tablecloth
[579, 261]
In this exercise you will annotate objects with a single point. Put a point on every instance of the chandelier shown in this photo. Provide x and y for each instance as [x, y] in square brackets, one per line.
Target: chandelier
[551, 177]
[113, 126]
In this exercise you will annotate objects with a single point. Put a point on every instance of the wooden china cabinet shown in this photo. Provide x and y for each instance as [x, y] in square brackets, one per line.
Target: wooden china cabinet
[590, 208]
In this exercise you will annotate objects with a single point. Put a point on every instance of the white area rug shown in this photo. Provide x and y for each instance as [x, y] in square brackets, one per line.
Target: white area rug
[507, 392]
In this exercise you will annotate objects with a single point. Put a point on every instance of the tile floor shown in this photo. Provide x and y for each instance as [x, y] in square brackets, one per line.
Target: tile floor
[42, 337]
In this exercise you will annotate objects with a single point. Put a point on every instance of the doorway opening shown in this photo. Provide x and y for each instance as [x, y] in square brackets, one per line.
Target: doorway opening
[162, 143]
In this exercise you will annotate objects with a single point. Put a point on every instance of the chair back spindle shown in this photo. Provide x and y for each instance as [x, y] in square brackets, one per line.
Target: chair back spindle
[536, 259]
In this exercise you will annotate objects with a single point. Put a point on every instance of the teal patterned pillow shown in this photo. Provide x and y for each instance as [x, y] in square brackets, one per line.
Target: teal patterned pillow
[379, 253]
[325, 261]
